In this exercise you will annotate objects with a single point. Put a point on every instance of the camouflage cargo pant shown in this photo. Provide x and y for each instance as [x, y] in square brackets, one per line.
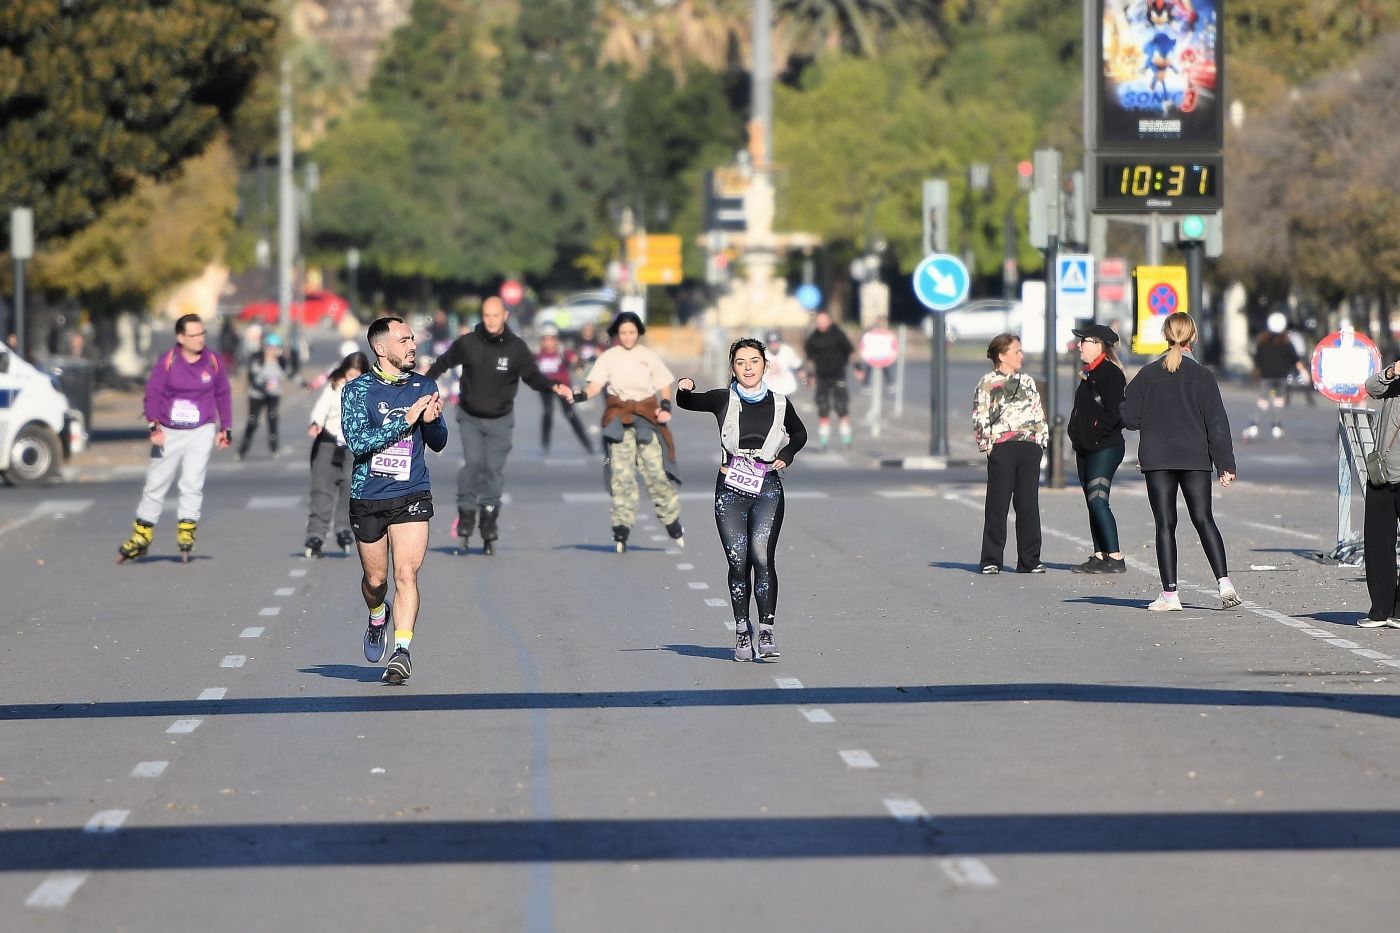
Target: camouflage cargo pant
[627, 458]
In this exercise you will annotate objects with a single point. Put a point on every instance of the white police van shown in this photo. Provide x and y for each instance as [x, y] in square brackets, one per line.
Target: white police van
[38, 429]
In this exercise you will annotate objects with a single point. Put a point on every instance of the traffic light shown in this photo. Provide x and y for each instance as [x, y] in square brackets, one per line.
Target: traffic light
[1197, 229]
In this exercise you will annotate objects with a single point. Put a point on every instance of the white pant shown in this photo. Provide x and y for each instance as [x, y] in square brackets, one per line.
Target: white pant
[186, 452]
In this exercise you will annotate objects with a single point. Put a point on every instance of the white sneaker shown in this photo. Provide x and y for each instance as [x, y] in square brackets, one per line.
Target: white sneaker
[1229, 599]
[1368, 622]
[1166, 602]
[1276, 432]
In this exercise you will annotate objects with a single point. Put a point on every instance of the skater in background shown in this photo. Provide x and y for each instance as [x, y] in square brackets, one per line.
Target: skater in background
[331, 462]
[829, 352]
[188, 412]
[555, 362]
[266, 371]
[1276, 359]
[784, 366]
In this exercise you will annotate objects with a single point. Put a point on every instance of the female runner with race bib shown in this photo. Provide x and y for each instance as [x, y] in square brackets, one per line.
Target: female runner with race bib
[759, 435]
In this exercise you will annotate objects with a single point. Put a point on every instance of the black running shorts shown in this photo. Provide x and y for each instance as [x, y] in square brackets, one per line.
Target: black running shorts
[371, 518]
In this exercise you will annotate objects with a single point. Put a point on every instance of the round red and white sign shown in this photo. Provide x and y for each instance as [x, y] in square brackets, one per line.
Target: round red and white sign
[879, 347]
[1341, 364]
[512, 292]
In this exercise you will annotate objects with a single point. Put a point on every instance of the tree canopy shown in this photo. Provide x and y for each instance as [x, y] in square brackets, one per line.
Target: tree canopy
[96, 95]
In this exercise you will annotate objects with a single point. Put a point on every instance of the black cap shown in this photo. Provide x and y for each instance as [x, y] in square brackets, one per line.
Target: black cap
[624, 318]
[1100, 332]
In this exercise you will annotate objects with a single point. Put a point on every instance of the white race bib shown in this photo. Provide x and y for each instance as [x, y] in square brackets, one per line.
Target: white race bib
[746, 475]
[183, 411]
[394, 461]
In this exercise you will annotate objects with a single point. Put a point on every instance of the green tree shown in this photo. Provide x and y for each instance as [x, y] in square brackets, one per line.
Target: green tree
[859, 26]
[98, 94]
[148, 241]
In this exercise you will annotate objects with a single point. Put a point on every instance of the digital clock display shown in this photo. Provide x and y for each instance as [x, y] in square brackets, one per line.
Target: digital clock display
[1186, 184]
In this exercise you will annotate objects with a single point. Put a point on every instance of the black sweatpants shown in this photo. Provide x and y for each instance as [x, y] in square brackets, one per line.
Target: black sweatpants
[548, 400]
[1161, 495]
[256, 404]
[1013, 478]
[749, 527]
[1382, 514]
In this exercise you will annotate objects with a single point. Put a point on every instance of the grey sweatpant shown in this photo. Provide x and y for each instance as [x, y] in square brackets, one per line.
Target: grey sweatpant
[186, 452]
[486, 443]
[330, 488]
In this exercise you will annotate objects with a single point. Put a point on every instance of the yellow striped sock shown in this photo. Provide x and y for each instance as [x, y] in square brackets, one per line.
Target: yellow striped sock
[402, 637]
[377, 613]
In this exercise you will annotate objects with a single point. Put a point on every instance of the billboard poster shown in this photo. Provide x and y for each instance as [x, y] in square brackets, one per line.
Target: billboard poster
[1160, 74]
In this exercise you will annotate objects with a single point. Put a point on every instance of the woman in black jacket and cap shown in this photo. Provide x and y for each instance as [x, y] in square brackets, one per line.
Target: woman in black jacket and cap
[1096, 433]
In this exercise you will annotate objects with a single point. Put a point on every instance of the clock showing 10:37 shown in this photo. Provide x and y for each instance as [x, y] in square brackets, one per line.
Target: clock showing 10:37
[1189, 184]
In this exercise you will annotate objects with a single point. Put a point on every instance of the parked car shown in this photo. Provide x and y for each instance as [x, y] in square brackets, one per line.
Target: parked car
[569, 316]
[983, 319]
[38, 428]
[319, 307]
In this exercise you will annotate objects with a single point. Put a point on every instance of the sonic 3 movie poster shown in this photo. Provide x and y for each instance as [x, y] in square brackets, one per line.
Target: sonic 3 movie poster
[1161, 73]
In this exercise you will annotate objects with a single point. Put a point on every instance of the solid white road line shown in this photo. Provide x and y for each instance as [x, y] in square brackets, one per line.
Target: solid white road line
[63, 506]
[1279, 529]
[252, 632]
[212, 693]
[234, 660]
[578, 498]
[55, 891]
[858, 758]
[149, 769]
[184, 726]
[106, 821]
[284, 591]
[788, 683]
[817, 715]
[270, 611]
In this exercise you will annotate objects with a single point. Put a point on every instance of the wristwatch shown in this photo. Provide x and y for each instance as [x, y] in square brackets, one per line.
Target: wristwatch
[152, 426]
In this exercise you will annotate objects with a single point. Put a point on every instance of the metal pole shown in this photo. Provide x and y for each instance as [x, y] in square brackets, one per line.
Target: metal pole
[899, 375]
[20, 344]
[286, 201]
[763, 76]
[1195, 280]
[877, 388]
[1052, 359]
[1154, 239]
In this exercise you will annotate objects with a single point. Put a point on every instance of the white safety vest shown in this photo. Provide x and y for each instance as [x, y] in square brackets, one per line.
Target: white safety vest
[777, 437]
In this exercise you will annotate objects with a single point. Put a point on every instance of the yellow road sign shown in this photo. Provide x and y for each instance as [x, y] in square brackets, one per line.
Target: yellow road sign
[655, 258]
[1160, 291]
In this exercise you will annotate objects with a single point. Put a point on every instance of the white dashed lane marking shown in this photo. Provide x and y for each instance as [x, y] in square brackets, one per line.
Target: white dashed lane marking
[149, 769]
[968, 873]
[817, 715]
[234, 660]
[685, 566]
[298, 572]
[270, 611]
[106, 821]
[254, 631]
[698, 585]
[212, 693]
[284, 591]
[56, 891]
[184, 726]
[788, 683]
[858, 758]
[715, 602]
[905, 810]
[63, 506]
[275, 502]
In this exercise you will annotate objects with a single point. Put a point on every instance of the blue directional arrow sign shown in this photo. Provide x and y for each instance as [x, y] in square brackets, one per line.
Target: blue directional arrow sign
[809, 297]
[941, 282]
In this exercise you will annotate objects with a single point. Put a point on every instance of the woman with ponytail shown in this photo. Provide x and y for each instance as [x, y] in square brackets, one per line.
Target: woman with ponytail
[1175, 403]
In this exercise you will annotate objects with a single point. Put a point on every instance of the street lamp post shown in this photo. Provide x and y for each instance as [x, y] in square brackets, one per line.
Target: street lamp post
[21, 248]
[352, 262]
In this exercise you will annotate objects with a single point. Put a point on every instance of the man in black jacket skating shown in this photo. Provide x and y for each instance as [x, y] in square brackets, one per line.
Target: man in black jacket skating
[494, 360]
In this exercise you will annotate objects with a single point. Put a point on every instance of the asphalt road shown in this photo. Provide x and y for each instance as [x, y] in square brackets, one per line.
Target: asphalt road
[202, 746]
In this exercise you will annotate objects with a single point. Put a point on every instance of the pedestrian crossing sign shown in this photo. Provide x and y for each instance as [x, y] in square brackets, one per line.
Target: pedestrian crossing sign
[1074, 285]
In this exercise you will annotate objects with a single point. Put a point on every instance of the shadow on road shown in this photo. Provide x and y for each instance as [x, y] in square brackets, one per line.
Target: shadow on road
[358, 672]
[609, 840]
[1121, 601]
[954, 565]
[1337, 618]
[608, 548]
[1386, 705]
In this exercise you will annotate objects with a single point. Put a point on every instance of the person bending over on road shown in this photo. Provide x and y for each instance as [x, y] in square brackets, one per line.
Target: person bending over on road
[388, 415]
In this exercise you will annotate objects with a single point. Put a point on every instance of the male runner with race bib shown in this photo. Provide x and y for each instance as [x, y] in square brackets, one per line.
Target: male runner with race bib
[388, 415]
